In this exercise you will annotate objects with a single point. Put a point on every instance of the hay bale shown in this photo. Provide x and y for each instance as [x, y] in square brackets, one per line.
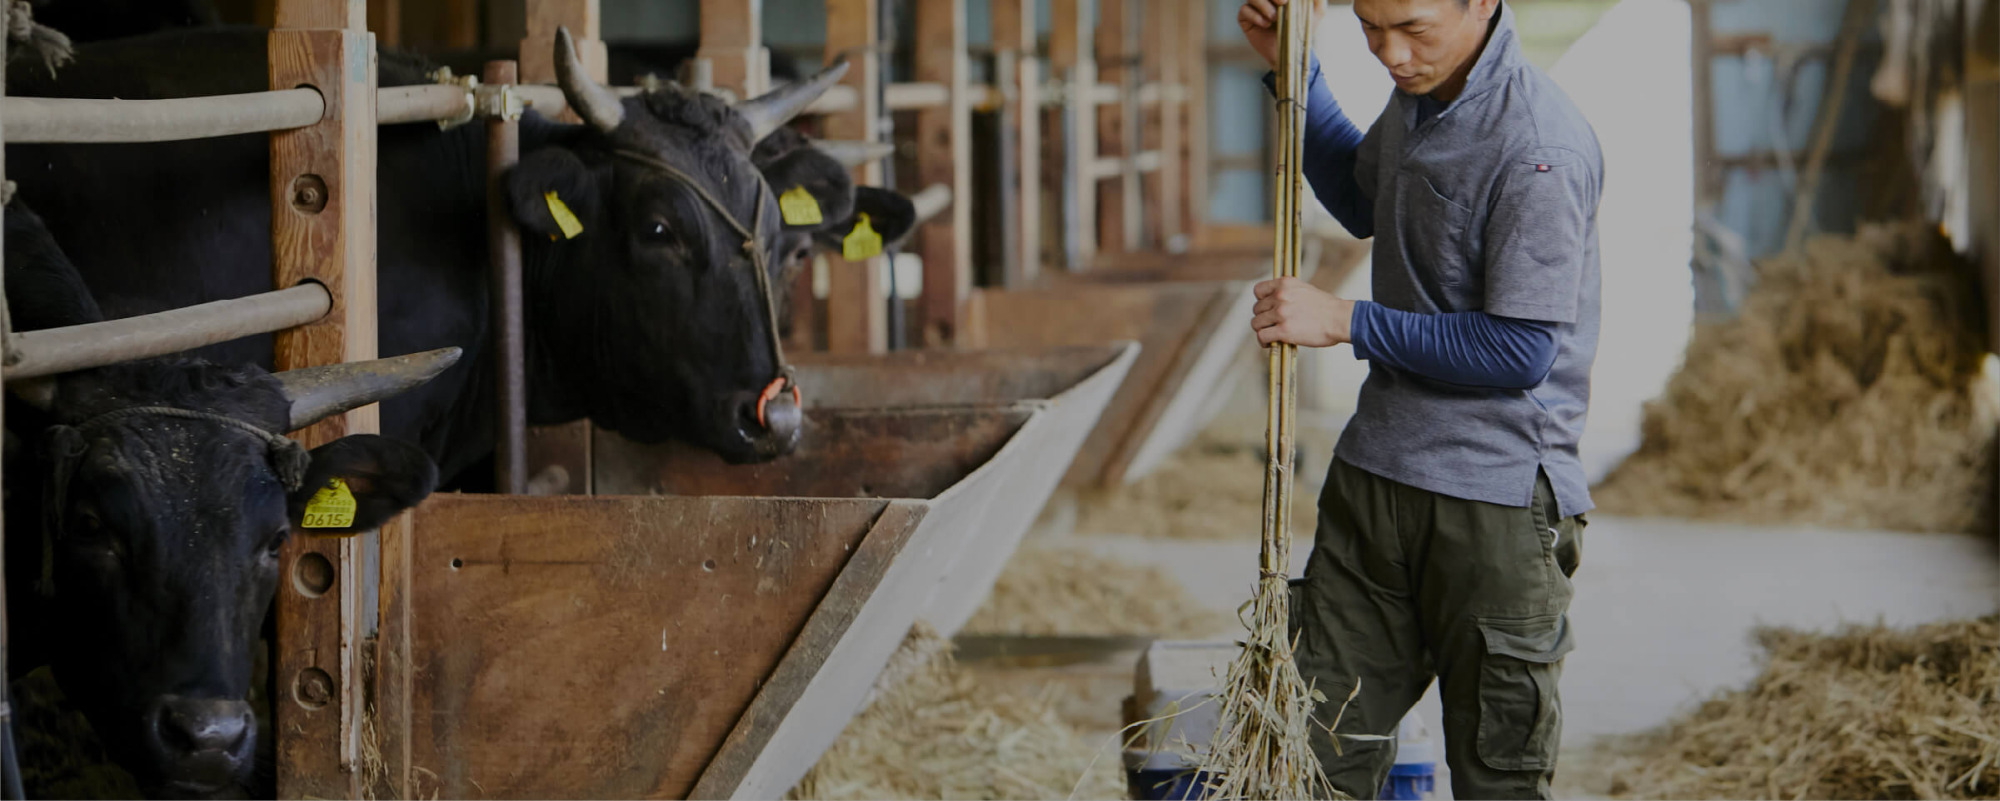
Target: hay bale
[1053, 590]
[1869, 712]
[1849, 391]
[59, 753]
[1211, 490]
[935, 733]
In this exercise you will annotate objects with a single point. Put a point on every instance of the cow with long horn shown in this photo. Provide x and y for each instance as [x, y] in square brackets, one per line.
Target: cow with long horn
[142, 538]
[659, 240]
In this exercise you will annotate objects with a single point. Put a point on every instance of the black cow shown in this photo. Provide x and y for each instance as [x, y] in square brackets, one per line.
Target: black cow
[142, 546]
[643, 314]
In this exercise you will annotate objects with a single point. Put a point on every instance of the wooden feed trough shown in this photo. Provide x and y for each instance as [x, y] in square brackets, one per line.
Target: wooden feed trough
[1191, 313]
[713, 642]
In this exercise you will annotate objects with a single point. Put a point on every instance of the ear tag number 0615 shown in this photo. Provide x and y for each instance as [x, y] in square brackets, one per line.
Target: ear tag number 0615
[332, 506]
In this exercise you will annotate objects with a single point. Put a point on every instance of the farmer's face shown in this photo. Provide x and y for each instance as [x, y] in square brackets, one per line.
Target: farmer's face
[1428, 45]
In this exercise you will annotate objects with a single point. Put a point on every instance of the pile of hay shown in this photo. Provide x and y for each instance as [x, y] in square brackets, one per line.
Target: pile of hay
[1208, 491]
[1849, 391]
[932, 732]
[1052, 590]
[1867, 713]
[59, 753]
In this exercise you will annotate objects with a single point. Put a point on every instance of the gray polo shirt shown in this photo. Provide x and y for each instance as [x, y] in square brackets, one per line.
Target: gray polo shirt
[1490, 204]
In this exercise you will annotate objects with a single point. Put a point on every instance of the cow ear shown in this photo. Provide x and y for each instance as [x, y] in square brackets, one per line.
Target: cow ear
[812, 188]
[357, 483]
[553, 193]
[890, 215]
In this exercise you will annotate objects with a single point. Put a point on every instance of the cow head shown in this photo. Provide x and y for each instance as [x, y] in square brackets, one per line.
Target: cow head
[658, 215]
[170, 490]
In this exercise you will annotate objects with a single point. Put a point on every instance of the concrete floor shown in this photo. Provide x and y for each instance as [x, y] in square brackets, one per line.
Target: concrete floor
[1665, 608]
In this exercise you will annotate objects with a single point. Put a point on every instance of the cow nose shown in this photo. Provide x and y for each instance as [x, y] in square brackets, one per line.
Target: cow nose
[783, 418]
[184, 727]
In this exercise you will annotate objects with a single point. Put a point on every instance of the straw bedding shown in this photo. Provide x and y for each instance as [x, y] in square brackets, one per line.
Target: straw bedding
[1850, 391]
[1052, 590]
[1869, 712]
[933, 732]
[1211, 490]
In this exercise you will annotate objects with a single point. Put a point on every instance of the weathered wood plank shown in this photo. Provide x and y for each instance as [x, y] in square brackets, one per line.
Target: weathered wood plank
[947, 377]
[1117, 64]
[586, 26]
[1195, 156]
[604, 647]
[1163, 63]
[1014, 43]
[732, 39]
[323, 229]
[944, 156]
[843, 453]
[856, 308]
[1073, 60]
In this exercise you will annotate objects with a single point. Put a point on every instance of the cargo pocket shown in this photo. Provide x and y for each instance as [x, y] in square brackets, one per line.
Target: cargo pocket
[1520, 716]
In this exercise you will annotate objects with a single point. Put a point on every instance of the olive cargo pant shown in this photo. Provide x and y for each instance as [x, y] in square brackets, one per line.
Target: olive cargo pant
[1405, 585]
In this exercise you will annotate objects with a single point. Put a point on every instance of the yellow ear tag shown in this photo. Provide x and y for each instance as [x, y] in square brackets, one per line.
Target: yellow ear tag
[332, 507]
[862, 242]
[565, 219]
[799, 207]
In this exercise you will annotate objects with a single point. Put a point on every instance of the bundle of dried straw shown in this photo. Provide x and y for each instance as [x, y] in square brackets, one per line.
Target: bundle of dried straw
[1869, 712]
[932, 732]
[1260, 748]
[1849, 391]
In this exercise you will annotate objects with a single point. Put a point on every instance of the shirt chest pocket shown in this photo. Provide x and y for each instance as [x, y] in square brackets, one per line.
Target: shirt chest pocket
[1434, 229]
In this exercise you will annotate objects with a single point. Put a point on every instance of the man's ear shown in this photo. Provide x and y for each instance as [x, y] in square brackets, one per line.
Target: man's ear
[357, 483]
[575, 189]
[890, 215]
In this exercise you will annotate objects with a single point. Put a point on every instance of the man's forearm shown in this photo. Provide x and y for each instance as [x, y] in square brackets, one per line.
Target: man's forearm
[1466, 348]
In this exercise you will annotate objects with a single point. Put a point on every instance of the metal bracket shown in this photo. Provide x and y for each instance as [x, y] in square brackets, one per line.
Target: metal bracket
[470, 83]
[498, 101]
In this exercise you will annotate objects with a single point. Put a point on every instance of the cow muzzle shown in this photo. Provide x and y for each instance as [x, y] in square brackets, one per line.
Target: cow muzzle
[202, 746]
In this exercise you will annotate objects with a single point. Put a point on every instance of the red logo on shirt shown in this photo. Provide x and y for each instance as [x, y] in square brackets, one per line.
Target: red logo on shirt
[1541, 168]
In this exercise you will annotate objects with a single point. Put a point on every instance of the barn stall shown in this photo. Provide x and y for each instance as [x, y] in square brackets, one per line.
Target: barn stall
[415, 660]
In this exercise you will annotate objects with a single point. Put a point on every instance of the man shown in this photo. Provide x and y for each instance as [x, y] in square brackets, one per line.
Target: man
[1451, 520]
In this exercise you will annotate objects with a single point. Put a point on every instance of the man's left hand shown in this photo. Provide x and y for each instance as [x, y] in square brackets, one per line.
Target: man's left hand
[1291, 310]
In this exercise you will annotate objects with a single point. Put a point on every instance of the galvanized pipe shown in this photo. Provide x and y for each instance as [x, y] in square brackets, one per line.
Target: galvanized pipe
[57, 119]
[503, 246]
[78, 347]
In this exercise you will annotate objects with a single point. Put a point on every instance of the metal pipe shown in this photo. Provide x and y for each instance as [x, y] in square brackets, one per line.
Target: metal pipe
[931, 202]
[503, 246]
[429, 103]
[59, 119]
[906, 96]
[77, 347]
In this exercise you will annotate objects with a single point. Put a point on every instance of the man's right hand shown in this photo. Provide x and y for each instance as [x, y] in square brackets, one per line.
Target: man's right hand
[1259, 21]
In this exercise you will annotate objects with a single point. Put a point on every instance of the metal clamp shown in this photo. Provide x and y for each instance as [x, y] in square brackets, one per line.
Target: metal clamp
[498, 102]
[470, 83]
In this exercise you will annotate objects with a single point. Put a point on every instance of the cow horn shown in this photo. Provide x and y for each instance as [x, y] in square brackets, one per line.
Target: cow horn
[594, 103]
[853, 153]
[39, 392]
[771, 110]
[317, 393]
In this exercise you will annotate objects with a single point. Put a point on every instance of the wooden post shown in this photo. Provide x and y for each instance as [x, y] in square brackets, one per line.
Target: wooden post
[509, 340]
[1117, 64]
[538, 49]
[385, 20]
[732, 39]
[1014, 41]
[1072, 60]
[1163, 59]
[856, 314]
[1194, 155]
[323, 228]
[1707, 170]
[944, 156]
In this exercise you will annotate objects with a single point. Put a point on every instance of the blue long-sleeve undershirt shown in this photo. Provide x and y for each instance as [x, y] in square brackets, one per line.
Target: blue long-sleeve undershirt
[1473, 349]
[1333, 144]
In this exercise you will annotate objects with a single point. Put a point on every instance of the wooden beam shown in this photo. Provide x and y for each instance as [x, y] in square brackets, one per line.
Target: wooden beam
[1163, 67]
[732, 39]
[856, 310]
[323, 228]
[1707, 177]
[385, 20]
[585, 25]
[1193, 207]
[1117, 65]
[1073, 61]
[944, 156]
[1014, 42]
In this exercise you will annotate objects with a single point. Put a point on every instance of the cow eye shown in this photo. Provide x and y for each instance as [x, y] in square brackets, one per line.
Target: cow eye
[655, 232]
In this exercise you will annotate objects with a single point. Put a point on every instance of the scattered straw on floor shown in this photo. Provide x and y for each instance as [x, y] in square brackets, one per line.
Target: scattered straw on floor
[1054, 590]
[1867, 713]
[1849, 391]
[59, 753]
[937, 734]
[1208, 491]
